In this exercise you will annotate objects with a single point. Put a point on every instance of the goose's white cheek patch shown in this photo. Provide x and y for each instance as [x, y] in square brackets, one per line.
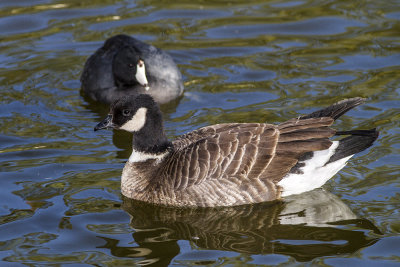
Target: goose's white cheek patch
[137, 122]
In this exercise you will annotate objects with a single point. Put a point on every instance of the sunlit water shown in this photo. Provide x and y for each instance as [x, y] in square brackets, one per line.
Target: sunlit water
[243, 61]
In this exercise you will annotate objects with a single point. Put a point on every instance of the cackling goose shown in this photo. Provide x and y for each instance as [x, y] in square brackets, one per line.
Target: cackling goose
[232, 163]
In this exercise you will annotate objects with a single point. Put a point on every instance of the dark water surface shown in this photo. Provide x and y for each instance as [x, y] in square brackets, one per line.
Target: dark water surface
[243, 61]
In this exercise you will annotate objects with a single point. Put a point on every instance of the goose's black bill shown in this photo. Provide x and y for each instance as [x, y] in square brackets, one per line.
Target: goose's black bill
[105, 124]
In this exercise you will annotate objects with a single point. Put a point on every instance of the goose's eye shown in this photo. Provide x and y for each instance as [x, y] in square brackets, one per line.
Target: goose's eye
[130, 65]
[126, 112]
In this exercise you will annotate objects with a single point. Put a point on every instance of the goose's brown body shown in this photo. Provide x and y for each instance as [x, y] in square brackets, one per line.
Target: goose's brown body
[234, 163]
[226, 164]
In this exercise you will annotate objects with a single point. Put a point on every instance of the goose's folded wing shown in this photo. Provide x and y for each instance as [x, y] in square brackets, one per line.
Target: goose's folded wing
[219, 152]
[245, 154]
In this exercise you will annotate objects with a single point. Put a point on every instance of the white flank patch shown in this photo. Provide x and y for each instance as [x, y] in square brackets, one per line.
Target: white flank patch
[141, 75]
[315, 172]
[137, 122]
[138, 156]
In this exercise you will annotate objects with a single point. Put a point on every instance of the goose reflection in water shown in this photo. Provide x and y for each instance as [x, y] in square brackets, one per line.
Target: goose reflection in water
[306, 226]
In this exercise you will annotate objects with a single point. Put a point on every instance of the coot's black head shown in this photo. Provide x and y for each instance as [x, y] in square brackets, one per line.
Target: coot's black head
[129, 67]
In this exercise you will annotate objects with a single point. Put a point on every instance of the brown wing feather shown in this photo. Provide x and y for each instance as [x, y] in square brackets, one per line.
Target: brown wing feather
[221, 151]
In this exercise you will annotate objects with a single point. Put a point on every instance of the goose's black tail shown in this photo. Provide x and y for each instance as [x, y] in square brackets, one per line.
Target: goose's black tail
[358, 141]
[336, 110]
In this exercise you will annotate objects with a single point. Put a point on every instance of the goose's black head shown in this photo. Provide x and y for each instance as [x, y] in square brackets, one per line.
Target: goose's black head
[140, 115]
[129, 68]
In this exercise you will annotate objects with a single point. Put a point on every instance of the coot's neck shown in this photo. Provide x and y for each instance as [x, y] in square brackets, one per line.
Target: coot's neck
[125, 86]
[121, 84]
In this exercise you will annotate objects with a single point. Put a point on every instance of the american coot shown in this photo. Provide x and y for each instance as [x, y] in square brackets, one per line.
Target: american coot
[233, 163]
[125, 65]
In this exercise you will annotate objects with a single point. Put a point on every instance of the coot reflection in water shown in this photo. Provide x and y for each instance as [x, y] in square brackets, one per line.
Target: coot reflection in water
[305, 226]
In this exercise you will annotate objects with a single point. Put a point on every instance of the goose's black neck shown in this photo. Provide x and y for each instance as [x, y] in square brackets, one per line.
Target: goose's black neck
[151, 138]
[150, 144]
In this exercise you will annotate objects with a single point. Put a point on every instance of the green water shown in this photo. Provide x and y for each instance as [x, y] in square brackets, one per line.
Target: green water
[242, 61]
